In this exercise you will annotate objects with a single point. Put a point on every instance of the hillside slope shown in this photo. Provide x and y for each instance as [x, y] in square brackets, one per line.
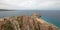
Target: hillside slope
[25, 23]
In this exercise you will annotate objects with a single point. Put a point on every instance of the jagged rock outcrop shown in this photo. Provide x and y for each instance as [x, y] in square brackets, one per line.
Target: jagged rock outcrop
[25, 23]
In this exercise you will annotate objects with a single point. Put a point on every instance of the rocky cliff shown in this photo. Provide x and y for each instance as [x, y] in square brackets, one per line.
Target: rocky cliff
[25, 23]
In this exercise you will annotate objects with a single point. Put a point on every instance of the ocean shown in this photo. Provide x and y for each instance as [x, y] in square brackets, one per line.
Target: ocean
[51, 16]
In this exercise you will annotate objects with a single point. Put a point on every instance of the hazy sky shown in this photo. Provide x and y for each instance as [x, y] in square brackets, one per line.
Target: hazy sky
[30, 4]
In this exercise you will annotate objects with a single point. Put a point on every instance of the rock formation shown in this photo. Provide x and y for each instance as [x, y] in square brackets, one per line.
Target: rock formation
[25, 23]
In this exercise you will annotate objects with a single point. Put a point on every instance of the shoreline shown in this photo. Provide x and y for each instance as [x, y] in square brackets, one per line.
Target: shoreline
[40, 20]
[50, 23]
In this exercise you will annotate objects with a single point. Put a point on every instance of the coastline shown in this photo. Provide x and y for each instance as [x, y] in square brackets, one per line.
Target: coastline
[43, 24]
[50, 23]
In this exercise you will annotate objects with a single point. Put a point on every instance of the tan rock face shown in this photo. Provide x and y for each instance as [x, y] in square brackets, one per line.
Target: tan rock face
[25, 23]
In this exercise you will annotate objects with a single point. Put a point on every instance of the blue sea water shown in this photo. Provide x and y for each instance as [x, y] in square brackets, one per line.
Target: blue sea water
[52, 21]
[51, 16]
